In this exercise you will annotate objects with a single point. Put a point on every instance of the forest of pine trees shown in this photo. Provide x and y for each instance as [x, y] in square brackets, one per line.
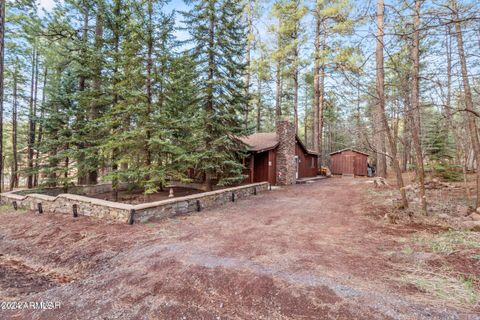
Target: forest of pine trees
[149, 91]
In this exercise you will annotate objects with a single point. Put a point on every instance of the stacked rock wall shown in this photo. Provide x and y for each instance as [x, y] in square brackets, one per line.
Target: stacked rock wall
[120, 212]
[286, 166]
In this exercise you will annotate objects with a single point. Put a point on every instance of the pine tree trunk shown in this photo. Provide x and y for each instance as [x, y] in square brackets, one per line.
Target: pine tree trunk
[53, 161]
[380, 130]
[34, 168]
[2, 66]
[148, 133]
[278, 94]
[31, 121]
[92, 176]
[465, 176]
[116, 45]
[381, 169]
[381, 101]
[448, 106]
[14, 177]
[40, 129]
[321, 103]
[160, 79]
[305, 129]
[82, 80]
[415, 112]
[65, 174]
[448, 101]
[210, 88]
[472, 126]
[81, 165]
[305, 119]
[295, 100]
[279, 91]
[406, 140]
[295, 80]
[248, 74]
[316, 86]
[259, 106]
[448, 112]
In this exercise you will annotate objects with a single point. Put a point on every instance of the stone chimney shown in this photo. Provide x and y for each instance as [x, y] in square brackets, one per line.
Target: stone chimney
[286, 166]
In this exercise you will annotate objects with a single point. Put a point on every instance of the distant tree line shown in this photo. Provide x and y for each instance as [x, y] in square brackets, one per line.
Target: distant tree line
[121, 97]
[129, 90]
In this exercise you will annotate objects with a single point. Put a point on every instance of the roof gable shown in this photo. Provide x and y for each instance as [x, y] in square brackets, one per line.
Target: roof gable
[304, 147]
[349, 149]
[260, 142]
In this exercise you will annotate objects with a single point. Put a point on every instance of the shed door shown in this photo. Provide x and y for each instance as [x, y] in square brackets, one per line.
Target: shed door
[360, 166]
[349, 165]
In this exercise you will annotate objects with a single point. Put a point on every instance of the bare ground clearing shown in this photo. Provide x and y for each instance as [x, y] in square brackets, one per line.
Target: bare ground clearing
[315, 251]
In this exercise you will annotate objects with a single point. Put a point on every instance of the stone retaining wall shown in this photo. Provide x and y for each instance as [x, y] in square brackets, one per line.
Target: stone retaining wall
[64, 203]
[119, 212]
[197, 202]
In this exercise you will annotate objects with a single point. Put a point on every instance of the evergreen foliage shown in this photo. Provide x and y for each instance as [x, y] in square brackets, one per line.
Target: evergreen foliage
[131, 91]
[127, 102]
[218, 39]
[439, 148]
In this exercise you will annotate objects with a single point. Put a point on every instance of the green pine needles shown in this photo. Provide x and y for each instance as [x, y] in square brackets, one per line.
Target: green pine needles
[127, 102]
[218, 40]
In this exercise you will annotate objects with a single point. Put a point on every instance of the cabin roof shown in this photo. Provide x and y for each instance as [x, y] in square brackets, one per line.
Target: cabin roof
[349, 149]
[261, 142]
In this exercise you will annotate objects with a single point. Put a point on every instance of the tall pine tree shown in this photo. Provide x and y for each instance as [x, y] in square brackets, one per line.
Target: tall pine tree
[218, 42]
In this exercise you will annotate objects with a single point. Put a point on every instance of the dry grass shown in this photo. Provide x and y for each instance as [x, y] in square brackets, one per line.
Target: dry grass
[443, 283]
[381, 194]
[6, 208]
[476, 257]
[457, 290]
[430, 259]
[449, 242]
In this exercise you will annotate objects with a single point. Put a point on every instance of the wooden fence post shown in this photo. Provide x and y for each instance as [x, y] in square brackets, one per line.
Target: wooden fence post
[75, 211]
[131, 219]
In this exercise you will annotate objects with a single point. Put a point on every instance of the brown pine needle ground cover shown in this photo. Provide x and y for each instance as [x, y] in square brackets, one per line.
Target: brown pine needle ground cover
[443, 260]
[321, 250]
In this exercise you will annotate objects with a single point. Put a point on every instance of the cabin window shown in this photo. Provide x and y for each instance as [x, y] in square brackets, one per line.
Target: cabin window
[313, 163]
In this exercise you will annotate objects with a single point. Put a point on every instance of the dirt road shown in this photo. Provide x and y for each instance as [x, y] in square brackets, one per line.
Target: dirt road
[310, 251]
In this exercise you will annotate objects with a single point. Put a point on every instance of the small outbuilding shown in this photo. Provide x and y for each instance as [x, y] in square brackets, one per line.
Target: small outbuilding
[279, 157]
[349, 162]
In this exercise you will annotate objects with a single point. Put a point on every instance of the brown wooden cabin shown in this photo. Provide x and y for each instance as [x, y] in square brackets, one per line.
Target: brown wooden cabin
[349, 162]
[266, 151]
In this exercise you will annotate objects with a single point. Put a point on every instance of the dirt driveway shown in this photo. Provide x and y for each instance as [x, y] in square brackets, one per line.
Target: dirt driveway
[309, 251]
